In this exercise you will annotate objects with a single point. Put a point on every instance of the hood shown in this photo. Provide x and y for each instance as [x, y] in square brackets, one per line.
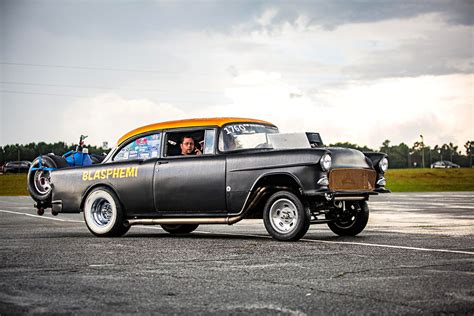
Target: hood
[348, 158]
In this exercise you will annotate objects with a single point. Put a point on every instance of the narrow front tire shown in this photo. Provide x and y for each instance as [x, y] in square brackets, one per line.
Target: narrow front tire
[351, 220]
[285, 217]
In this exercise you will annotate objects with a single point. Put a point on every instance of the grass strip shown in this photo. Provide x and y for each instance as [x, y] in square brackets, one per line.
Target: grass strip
[398, 180]
[430, 180]
[13, 184]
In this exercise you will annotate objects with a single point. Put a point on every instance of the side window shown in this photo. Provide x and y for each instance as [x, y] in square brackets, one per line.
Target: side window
[209, 140]
[197, 142]
[141, 148]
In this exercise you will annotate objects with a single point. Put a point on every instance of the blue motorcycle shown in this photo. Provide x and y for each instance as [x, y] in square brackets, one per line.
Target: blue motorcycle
[39, 174]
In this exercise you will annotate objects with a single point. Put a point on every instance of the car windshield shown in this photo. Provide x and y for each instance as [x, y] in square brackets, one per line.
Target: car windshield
[239, 136]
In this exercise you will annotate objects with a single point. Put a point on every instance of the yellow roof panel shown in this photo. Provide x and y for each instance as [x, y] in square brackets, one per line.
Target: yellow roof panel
[217, 121]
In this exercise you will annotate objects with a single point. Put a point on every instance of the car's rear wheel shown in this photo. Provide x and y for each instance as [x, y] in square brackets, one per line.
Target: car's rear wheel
[179, 228]
[39, 179]
[351, 219]
[103, 213]
[285, 217]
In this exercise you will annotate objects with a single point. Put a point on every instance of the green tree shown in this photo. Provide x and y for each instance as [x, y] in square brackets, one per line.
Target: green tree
[350, 145]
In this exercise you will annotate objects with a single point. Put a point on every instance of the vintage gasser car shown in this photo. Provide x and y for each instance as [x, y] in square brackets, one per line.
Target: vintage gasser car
[246, 169]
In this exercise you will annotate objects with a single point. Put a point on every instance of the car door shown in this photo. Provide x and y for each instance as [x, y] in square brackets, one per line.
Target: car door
[139, 157]
[191, 184]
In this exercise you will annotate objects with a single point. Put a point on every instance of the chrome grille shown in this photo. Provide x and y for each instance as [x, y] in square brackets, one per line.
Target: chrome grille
[346, 179]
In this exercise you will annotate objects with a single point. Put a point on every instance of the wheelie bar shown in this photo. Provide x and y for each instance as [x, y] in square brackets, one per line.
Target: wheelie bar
[41, 206]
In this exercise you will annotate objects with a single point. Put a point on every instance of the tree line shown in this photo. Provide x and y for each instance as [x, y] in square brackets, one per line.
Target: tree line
[418, 155]
[400, 156]
[32, 150]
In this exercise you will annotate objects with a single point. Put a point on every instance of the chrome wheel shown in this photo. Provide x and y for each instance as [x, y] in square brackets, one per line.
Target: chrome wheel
[41, 181]
[283, 216]
[101, 212]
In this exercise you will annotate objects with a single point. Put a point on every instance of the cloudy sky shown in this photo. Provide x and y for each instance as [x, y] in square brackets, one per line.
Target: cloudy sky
[358, 71]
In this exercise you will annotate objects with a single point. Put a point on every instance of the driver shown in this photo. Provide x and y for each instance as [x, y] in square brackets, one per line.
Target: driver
[187, 146]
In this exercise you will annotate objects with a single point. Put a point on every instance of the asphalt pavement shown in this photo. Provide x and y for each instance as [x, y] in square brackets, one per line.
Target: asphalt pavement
[416, 256]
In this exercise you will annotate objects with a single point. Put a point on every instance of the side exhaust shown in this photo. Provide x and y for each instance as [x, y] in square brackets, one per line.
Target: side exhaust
[199, 220]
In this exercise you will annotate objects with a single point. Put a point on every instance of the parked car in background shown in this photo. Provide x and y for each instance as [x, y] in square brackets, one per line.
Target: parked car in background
[16, 166]
[444, 164]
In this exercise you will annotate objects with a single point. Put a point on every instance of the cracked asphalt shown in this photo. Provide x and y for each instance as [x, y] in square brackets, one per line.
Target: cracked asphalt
[416, 256]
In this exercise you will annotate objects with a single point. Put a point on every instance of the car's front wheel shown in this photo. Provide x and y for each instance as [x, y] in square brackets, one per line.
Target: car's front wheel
[179, 228]
[285, 217]
[103, 214]
[351, 219]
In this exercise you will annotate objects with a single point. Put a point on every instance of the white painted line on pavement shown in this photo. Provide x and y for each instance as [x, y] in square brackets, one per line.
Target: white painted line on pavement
[350, 243]
[268, 237]
[388, 246]
[42, 217]
[336, 242]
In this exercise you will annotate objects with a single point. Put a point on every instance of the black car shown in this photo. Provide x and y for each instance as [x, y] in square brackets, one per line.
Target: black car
[16, 166]
[237, 168]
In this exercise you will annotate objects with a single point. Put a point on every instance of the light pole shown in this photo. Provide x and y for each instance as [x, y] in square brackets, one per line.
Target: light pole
[422, 152]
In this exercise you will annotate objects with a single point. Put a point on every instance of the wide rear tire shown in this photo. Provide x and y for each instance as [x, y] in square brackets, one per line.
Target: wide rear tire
[103, 213]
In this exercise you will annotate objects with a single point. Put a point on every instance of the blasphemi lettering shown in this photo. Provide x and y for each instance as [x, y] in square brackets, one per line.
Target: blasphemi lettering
[115, 173]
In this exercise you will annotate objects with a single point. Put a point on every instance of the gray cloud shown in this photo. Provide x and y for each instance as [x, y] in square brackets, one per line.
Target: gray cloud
[437, 53]
[331, 14]
[134, 20]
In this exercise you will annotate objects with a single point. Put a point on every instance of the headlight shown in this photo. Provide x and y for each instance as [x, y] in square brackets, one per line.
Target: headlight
[326, 162]
[383, 164]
